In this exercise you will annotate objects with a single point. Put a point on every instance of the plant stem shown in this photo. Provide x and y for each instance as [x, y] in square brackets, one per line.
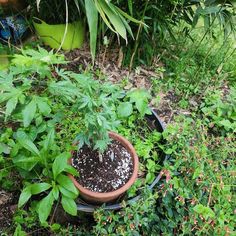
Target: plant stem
[100, 156]
[137, 37]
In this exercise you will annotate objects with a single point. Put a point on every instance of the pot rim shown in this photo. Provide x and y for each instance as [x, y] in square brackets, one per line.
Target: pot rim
[125, 187]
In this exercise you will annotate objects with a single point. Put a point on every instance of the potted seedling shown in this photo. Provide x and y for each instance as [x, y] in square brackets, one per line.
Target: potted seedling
[106, 162]
[57, 24]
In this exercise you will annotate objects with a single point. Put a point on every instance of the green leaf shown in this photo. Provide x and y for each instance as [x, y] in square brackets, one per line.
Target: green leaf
[55, 192]
[67, 193]
[43, 106]
[45, 207]
[67, 184]
[197, 172]
[140, 98]
[24, 141]
[206, 212]
[48, 142]
[10, 106]
[25, 162]
[71, 170]
[92, 18]
[114, 18]
[60, 163]
[29, 113]
[39, 187]
[24, 196]
[19, 232]
[149, 177]
[125, 109]
[69, 205]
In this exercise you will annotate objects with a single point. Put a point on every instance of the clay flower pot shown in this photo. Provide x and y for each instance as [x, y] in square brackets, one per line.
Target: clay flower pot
[98, 197]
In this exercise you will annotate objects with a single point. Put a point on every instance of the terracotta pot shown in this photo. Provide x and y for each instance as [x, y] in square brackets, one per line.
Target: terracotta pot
[97, 197]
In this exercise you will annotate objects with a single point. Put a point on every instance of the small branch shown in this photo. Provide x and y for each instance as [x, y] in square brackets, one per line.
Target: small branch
[209, 199]
[100, 157]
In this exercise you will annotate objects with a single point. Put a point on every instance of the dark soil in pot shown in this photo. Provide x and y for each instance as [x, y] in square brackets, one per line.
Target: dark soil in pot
[109, 175]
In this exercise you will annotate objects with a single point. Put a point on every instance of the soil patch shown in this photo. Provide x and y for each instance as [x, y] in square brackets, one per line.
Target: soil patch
[112, 173]
[8, 205]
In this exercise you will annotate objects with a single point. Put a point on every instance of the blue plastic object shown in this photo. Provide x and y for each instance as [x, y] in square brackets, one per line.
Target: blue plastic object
[12, 28]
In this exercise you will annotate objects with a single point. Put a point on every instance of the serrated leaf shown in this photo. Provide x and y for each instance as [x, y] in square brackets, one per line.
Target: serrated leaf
[69, 205]
[10, 106]
[29, 113]
[43, 106]
[125, 109]
[140, 98]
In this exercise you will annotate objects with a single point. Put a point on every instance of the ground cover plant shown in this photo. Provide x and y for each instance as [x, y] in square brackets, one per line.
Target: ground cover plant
[192, 89]
[34, 101]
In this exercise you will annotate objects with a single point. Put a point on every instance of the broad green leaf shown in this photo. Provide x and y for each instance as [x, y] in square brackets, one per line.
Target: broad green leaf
[24, 196]
[60, 163]
[19, 232]
[125, 109]
[67, 183]
[92, 18]
[25, 162]
[67, 193]
[39, 187]
[10, 106]
[149, 178]
[71, 170]
[24, 141]
[4, 148]
[29, 113]
[69, 205]
[45, 207]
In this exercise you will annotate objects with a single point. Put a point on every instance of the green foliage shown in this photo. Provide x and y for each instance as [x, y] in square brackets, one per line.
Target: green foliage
[132, 220]
[34, 109]
[220, 112]
[112, 16]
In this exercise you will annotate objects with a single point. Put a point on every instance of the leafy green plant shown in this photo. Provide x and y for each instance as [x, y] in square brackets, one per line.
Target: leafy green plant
[133, 220]
[220, 112]
[33, 101]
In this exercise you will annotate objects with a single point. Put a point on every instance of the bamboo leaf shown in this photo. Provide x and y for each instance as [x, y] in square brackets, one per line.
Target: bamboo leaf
[92, 17]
